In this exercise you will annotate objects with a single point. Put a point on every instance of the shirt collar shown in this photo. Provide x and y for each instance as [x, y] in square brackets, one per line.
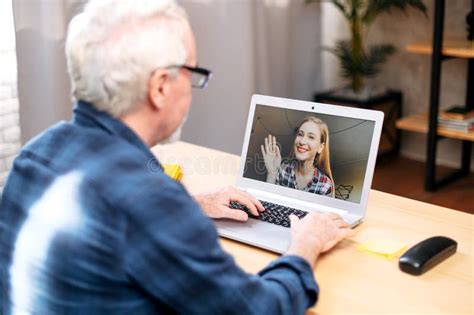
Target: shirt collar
[86, 114]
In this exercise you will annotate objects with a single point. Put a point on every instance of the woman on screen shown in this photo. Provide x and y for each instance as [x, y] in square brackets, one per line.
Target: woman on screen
[309, 168]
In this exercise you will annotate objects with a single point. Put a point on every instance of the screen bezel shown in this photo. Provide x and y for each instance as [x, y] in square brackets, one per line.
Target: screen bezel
[317, 108]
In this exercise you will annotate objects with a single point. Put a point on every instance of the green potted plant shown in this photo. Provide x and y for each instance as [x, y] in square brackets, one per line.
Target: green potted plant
[359, 60]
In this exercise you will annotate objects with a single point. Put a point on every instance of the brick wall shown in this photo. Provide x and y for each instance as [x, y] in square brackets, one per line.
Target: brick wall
[9, 117]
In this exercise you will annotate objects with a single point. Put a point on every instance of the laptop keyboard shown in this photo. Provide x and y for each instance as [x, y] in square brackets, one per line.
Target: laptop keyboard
[274, 213]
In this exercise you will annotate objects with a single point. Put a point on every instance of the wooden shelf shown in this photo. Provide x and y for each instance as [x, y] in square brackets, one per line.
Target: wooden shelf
[451, 48]
[419, 123]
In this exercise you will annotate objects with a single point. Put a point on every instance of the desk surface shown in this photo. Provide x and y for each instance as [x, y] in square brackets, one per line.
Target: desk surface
[352, 281]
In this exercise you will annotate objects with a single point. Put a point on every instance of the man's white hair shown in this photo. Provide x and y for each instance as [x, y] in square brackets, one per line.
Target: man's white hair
[114, 46]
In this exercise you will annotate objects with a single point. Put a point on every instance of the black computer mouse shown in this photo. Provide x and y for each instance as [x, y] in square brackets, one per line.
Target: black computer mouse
[427, 254]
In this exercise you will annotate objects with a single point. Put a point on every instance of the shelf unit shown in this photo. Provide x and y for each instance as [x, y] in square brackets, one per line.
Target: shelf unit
[442, 50]
[419, 123]
[450, 48]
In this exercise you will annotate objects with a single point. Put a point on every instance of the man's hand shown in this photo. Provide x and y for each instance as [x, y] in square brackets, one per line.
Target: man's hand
[216, 204]
[315, 234]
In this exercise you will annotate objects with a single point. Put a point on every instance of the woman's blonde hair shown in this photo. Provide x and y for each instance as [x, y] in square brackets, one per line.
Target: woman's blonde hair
[321, 160]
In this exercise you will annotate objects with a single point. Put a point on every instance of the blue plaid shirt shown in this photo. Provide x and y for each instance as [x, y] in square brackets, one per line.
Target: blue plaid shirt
[89, 224]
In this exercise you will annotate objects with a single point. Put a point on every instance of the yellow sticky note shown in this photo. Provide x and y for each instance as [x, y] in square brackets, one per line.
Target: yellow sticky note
[174, 171]
[387, 249]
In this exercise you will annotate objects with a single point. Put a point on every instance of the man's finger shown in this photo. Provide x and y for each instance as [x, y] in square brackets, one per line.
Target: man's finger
[347, 232]
[293, 220]
[341, 223]
[338, 220]
[333, 215]
[244, 200]
[263, 150]
[234, 214]
[255, 201]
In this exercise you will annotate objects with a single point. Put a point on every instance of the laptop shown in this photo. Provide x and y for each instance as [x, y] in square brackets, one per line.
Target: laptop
[340, 171]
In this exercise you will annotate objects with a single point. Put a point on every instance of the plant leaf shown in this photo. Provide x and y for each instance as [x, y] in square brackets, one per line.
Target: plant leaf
[377, 55]
[343, 52]
[367, 66]
[375, 7]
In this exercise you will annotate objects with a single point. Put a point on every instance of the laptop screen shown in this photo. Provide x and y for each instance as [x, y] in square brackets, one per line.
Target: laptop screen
[316, 153]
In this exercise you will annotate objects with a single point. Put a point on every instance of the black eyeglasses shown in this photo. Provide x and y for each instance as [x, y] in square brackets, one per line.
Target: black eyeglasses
[199, 76]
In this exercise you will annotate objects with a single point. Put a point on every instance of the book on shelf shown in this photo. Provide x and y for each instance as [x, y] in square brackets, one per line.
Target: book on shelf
[458, 128]
[457, 112]
[459, 125]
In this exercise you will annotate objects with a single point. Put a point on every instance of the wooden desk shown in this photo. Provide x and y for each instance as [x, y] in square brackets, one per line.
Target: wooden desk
[352, 281]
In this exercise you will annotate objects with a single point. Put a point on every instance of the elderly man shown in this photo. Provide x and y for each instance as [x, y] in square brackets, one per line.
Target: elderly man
[87, 228]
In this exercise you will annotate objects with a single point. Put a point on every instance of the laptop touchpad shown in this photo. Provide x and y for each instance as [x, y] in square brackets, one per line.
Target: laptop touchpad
[262, 234]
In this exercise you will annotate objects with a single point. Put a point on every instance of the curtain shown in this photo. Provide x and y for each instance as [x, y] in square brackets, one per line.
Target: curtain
[43, 84]
[253, 46]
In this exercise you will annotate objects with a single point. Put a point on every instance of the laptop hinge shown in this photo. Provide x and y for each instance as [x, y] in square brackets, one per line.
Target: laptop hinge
[291, 202]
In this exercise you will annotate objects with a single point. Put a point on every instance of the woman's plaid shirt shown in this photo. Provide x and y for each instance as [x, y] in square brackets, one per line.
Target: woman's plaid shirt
[321, 184]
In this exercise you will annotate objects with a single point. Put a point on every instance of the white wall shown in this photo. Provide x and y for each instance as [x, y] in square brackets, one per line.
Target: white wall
[9, 121]
[44, 90]
[225, 45]
[265, 47]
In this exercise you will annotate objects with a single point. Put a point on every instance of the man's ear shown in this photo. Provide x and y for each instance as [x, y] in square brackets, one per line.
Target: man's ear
[158, 88]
